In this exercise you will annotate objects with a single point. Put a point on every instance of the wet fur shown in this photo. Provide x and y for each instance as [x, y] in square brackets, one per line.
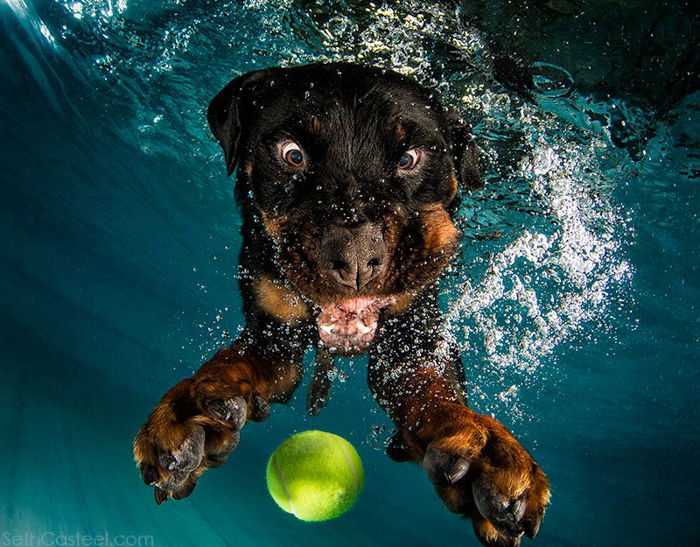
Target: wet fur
[478, 468]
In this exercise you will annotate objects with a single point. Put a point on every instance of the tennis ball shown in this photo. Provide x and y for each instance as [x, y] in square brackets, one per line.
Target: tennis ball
[315, 475]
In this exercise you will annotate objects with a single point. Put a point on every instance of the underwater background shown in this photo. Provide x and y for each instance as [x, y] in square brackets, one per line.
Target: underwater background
[574, 299]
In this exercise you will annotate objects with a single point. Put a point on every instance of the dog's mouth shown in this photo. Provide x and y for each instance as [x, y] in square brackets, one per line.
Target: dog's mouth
[349, 326]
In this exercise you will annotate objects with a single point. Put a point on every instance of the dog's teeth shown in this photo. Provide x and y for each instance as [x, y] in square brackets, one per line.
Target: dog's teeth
[364, 329]
[327, 328]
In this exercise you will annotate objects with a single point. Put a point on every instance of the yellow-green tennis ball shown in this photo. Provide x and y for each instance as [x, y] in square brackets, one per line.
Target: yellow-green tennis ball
[315, 475]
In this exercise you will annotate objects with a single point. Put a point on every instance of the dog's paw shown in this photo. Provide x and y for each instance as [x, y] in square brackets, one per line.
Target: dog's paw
[170, 458]
[192, 430]
[233, 410]
[321, 381]
[481, 471]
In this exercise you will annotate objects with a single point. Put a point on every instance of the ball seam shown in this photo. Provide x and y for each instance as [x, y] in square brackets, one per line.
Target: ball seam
[278, 470]
[350, 463]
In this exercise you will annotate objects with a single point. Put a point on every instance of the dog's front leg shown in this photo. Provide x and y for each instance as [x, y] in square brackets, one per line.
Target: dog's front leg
[197, 423]
[478, 468]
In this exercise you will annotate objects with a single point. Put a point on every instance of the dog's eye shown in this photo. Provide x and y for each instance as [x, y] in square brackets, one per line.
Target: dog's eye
[292, 154]
[410, 159]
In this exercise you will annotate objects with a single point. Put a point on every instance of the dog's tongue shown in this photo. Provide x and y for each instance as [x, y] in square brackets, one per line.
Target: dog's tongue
[349, 326]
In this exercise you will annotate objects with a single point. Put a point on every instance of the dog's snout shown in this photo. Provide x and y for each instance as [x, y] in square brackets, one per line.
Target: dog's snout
[353, 257]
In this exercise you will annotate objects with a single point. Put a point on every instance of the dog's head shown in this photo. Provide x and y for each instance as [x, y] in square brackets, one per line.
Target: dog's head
[351, 171]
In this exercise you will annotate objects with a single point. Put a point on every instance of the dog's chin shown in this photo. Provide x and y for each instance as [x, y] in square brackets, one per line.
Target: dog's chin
[348, 327]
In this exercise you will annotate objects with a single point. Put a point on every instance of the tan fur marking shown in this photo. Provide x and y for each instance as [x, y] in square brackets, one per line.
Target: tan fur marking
[249, 169]
[273, 226]
[439, 231]
[400, 132]
[280, 302]
[454, 185]
[401, 302]
[314, 125]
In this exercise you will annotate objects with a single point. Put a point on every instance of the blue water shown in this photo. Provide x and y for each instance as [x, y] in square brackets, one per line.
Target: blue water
[574, 300]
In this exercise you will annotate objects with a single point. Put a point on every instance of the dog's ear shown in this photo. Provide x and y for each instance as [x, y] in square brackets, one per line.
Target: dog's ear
[224, 111]
[464, 152]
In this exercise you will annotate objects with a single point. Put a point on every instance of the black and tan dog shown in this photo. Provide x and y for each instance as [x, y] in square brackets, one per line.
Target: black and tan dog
[347, 182]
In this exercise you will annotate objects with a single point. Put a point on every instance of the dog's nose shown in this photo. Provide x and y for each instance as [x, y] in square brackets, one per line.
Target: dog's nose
[353, 257]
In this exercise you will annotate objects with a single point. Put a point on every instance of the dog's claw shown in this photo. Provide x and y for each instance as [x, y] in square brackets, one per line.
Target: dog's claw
[234, 411]
[261, 409]
[179, 464]
[532, 525]
[490, 537]
[444, 468]
[149, 474]
[184, 490]
[167, 461]
[160, 495]
[187, 457]
[504, 514]
[517, 509]
[216, 459]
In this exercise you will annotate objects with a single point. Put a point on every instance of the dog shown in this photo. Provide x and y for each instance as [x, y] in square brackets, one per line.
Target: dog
[348, 180]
